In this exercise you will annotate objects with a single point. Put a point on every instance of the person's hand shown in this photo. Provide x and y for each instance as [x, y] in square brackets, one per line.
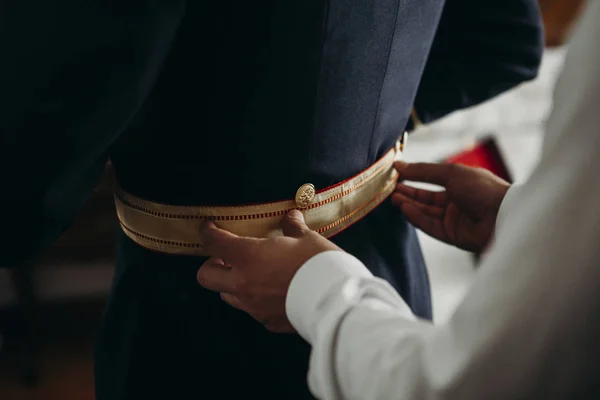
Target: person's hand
[464, 215]
[254, 275]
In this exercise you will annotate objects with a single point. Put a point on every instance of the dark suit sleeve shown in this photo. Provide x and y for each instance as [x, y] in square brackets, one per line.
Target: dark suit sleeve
[73, 73]
[481, 49]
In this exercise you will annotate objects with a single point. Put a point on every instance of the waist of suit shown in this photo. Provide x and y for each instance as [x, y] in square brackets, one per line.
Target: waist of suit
[174, 229]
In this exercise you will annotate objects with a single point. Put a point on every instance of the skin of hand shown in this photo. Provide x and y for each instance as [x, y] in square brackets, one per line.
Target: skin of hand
[253, 275]
[464, 214]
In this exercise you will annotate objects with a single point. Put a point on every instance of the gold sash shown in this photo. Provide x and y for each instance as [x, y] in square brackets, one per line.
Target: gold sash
[174, 229]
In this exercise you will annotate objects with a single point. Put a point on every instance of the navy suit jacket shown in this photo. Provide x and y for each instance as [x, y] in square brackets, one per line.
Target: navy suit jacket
[317, 89]
[229, 102]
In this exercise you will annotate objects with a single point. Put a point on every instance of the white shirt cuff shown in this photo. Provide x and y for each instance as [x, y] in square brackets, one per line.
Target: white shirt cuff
[313, 283]
[505, 207]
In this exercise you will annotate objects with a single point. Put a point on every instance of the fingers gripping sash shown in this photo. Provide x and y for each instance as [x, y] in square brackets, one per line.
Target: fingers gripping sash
[174, 229]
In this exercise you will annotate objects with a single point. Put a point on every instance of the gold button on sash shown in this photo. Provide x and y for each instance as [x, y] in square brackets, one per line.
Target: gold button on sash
[305, 195]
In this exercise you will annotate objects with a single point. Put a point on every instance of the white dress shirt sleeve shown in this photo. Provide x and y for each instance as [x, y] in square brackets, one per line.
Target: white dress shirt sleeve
[528, 327]
[508, 204]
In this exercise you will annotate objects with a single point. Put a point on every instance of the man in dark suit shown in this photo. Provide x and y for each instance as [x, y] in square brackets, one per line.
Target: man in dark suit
[220, 104]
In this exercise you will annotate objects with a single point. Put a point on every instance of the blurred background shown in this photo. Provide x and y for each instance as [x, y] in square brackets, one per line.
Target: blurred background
[49, 312]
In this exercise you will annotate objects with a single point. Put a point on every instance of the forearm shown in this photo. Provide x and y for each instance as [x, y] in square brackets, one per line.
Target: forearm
[528, 326]
[367, 344]
[352, 321]
[507, 204]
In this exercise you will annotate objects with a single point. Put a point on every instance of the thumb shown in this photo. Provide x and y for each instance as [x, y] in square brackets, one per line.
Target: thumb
[293, 224]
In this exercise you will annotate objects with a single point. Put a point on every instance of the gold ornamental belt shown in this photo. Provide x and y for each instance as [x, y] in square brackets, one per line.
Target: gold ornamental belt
[174, 229]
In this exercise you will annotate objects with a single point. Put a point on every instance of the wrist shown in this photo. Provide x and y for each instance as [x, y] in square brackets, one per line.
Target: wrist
[312, 284]
[507, 199]
[501, 189]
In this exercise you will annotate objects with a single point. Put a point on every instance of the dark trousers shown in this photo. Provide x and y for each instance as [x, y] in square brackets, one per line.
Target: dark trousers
[164, 336]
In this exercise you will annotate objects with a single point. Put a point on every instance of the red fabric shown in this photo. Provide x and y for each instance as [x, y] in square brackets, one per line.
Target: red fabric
[485, 154]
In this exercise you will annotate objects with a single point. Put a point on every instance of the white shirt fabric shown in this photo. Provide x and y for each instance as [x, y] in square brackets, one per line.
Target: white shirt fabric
[529, 328]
